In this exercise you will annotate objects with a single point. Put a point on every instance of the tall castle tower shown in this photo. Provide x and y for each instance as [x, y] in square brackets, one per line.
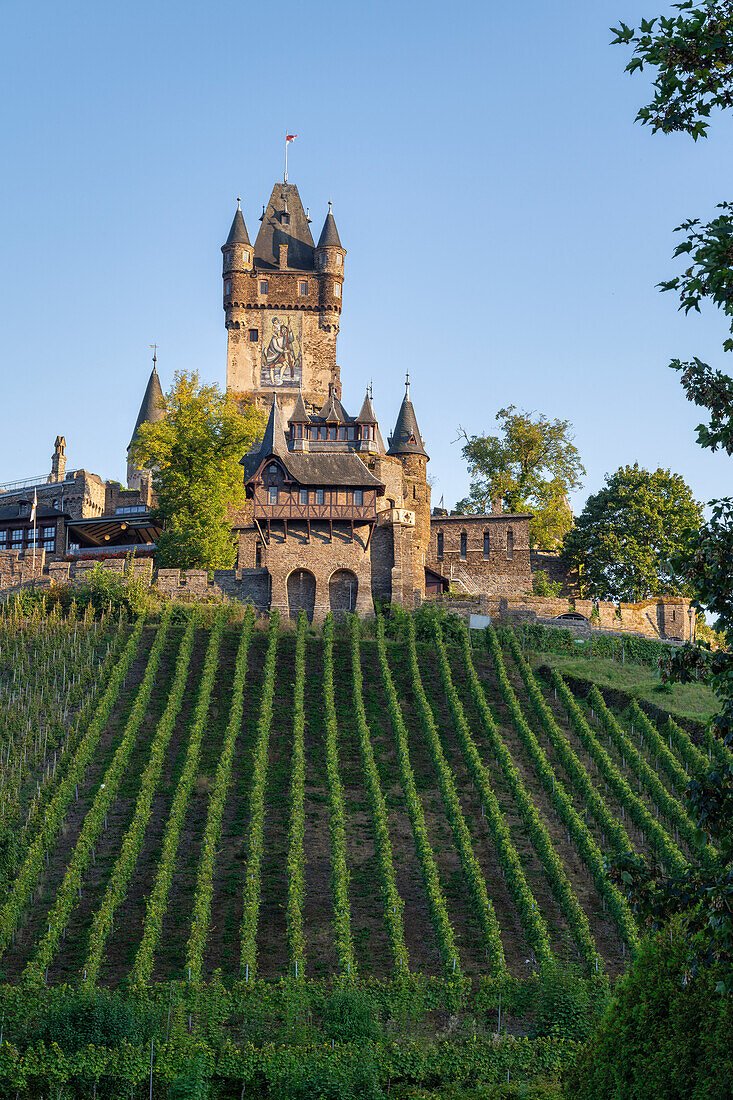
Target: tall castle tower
[282, 303]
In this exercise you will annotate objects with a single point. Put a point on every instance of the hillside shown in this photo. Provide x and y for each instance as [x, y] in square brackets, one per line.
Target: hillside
[196, 798]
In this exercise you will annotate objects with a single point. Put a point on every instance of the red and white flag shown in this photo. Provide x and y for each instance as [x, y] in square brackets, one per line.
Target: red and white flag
[35, 506]
[290, 137]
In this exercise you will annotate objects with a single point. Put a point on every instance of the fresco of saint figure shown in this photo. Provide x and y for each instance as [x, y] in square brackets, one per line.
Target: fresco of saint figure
[281, 358]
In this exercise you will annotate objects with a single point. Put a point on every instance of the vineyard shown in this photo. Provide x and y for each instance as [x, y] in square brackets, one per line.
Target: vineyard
[205, 806]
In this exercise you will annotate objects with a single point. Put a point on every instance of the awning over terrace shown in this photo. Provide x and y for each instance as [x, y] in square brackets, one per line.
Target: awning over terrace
[114, 532]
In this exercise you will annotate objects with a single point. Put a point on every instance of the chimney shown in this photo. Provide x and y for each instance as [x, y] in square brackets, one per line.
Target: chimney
[58, 460]
[496, 506]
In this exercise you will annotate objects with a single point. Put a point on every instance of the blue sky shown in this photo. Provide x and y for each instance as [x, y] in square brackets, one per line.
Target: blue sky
[505, 220]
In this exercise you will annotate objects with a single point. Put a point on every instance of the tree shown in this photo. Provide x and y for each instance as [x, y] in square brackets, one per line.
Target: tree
[194, 452]
[692, 53]
[531, 467]
[625, 538]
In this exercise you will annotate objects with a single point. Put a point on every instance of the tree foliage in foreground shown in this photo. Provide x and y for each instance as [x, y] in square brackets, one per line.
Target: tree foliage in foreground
[194, 452]
[628, 532]
[531, 466]
[692, 53]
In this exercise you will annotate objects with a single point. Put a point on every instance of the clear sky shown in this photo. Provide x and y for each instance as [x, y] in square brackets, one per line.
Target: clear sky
[505, 220]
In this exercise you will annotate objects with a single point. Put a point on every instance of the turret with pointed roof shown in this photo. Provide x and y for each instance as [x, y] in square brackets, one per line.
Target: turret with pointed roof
[406, 438]
[238, 233]
[329, 237]
[150, 413]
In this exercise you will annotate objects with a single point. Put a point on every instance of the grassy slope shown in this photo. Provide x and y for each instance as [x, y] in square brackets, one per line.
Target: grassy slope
[686, 700]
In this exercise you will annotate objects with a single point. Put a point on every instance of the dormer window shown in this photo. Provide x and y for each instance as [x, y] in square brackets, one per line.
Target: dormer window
[273, 470]
[264, 286]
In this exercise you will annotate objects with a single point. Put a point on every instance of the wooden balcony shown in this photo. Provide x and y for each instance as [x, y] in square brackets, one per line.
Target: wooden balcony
[334, 509]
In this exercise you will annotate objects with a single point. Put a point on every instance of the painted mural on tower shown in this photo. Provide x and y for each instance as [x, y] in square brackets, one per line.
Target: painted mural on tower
[282, 352]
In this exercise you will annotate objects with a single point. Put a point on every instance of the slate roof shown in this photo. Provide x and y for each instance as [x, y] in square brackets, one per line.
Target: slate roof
[333, 412]
[405, 438]
[277, 229]
[150, 413]
[238, 233]
[329, 237]
[366, 415]
[19, 511]
[300, 413]
[335, 468]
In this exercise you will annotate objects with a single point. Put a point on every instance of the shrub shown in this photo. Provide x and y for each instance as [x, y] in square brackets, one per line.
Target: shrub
[543, 586]
[662, 1035]
[350, 1013]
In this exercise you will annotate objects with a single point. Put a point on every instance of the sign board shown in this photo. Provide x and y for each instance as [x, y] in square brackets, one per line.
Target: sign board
[479, 622]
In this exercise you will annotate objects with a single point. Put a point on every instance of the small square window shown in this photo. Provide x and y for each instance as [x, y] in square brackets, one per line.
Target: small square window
[49, 544]
[303, 288]
[303, 496]
[358, 497]
[320, 496]
[18, 533]
[254, 335]
[337, 290]
[264, 286]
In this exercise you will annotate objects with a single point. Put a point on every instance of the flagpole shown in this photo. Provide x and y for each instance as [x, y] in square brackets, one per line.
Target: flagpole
[35, 526]
[285, 177]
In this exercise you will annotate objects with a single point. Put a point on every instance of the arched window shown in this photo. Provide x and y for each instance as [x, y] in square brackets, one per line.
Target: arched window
[487, 546]
[440, 545]
[464, 545]
[510, 544]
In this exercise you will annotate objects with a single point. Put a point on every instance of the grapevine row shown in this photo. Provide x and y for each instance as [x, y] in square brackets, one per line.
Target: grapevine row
[252, 882]
[689, 752]
[337, 816]
[97, 814]
[671, 765]
[671, 807]
[561, 800]
[132, 843]
[472, 870]
[436, 900]
[393, 904]
[658, 836]
[158, 900]
[573, 767]
[536, 829]
[532, 920]
[201, 920]
[296, 836]
[32, 866]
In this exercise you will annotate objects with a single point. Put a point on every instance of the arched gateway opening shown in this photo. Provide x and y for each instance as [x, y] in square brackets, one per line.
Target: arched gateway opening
[301, 593]
[343, 588]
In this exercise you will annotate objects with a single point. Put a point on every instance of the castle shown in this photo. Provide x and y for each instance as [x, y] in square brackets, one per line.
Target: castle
[333, 518]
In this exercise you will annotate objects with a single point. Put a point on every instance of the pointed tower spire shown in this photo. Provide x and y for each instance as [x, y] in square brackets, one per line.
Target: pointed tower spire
[150, 411]
[406, 438]
[238, 232]
[329, 237]
[273, 441]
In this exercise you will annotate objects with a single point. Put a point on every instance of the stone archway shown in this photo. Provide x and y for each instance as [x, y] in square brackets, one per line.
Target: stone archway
[301, 593]
[343, 588]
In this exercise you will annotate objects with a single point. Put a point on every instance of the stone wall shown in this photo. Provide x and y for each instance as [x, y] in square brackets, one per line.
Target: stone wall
[500, 567]
[18, 568]
[670, 618]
